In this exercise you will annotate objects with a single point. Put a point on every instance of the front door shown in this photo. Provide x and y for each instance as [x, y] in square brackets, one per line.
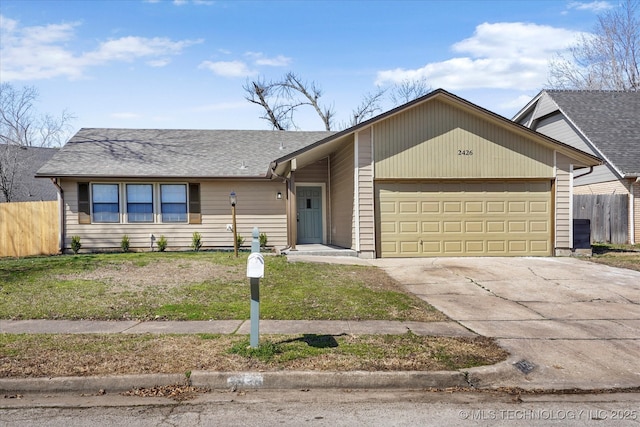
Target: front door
[309, 214]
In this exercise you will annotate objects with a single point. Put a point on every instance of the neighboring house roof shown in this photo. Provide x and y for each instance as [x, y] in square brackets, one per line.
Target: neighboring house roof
[26, 161]
[174, 153]
[609, 120]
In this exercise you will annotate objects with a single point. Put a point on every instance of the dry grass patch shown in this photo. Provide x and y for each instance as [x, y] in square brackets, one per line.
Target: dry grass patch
[87, 355]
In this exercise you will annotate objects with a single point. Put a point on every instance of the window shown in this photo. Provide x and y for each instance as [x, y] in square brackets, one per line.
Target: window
[173, 202]
[139, 202]
[106, 206]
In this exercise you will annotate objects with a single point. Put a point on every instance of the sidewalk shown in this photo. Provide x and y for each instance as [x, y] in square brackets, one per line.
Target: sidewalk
[326, 327]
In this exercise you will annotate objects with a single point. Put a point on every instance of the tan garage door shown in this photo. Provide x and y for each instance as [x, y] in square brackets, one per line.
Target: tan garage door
[464, 219]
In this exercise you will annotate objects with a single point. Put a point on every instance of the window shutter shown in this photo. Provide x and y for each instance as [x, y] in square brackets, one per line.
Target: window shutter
[195, 216]
[84, 204]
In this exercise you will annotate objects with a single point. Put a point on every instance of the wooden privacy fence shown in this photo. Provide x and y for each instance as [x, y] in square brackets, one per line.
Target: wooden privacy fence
[29, 228]
[609, 215]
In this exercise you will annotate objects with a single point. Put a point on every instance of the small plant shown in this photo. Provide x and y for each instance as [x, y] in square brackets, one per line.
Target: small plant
[240, 240]
[75, 244]
[162, 243]
[263, 240]
[124, 243]
[196, 241]
[265, 352]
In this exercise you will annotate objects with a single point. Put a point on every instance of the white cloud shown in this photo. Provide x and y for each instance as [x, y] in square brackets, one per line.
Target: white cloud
[40, 52]
[594, 6]
[228, 68]
[260, 59]
[501, 56]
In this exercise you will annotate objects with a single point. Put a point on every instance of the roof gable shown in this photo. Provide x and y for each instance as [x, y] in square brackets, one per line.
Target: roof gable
[609, 120]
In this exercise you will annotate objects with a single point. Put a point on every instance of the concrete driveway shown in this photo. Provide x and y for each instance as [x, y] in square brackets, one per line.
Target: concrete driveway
[566, 322]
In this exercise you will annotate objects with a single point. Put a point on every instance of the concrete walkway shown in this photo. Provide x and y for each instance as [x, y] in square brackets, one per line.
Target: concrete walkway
[326, 327]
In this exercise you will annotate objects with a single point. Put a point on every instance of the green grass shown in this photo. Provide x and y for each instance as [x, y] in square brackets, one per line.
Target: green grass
[197, 286]
[41, 355]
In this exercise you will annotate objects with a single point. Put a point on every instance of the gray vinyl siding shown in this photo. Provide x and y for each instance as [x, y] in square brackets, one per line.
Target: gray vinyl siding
[365, 196]
[342, 196]
[602, 173]
[257, 207]
[545, 106]
[563, 204]
[557, 127]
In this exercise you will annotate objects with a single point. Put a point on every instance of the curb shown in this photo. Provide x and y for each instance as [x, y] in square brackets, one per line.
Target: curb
[241, 380]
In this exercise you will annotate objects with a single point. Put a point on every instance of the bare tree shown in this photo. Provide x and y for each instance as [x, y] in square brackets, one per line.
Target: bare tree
[370, 105]
[408, 90]
[282, 98]
[21, 126]
[608, 59]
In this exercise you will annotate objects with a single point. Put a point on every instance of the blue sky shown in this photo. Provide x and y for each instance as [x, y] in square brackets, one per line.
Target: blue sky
[182, 64]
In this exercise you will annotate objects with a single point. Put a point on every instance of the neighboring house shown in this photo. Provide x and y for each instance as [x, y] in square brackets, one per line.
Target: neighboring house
[18, 165]
[438, 176]
[605, 124]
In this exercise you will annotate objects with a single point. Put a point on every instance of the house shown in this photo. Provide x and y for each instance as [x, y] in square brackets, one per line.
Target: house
[18, 166]
[605, 124]
[438, 176]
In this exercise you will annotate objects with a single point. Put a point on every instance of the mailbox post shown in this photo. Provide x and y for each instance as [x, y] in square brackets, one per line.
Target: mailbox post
[255, 271]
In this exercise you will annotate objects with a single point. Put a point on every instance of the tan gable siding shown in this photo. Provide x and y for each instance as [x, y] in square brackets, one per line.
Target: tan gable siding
[438, 140]
[563, 205]
[365, 193]
[315, 172]
[342, 196]
[257, 206]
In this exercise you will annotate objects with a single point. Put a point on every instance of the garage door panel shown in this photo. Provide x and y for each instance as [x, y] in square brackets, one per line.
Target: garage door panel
[465, 218]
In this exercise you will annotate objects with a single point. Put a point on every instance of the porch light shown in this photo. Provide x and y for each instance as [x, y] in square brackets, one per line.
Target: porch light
[279, 195]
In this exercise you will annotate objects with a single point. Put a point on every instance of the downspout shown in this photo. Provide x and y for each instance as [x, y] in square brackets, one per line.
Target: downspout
[61, 221]
[585, 174]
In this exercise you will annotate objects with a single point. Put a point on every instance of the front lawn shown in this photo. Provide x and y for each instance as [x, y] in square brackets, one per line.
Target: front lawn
[198, 286]
[622, 256]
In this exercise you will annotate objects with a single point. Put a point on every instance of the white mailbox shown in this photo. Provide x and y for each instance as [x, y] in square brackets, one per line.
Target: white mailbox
[255, 266]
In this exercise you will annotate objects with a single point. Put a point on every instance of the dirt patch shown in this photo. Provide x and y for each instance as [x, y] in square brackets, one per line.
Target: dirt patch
[129, 276]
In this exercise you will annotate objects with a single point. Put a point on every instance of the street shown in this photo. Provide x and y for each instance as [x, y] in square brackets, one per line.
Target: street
[325, 408]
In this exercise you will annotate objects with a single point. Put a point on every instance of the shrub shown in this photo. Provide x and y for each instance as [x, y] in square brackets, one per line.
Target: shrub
[263, 240]
[240, 240]
[75, 244]
[196, 241]
[162, 243]
[124, 243]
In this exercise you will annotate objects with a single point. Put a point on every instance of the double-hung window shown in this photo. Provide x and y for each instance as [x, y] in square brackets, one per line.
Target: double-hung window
[106, 203]
[173, 202]
[139, 202]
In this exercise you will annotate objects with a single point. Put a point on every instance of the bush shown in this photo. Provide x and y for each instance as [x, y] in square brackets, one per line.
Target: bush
[75, 244]
[263, 240]
[240, 240]
[124, 243]
[196, 241]
[162, 243]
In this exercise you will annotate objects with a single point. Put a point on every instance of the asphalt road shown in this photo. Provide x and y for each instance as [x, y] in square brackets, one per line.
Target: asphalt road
[325, 408]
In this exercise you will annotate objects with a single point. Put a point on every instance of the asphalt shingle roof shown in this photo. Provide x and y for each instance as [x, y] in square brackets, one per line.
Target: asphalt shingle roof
[609, 119]
[94, 152]
[27, 188]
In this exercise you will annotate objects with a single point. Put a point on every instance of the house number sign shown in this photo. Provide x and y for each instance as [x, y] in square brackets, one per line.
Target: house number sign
[465, 152]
